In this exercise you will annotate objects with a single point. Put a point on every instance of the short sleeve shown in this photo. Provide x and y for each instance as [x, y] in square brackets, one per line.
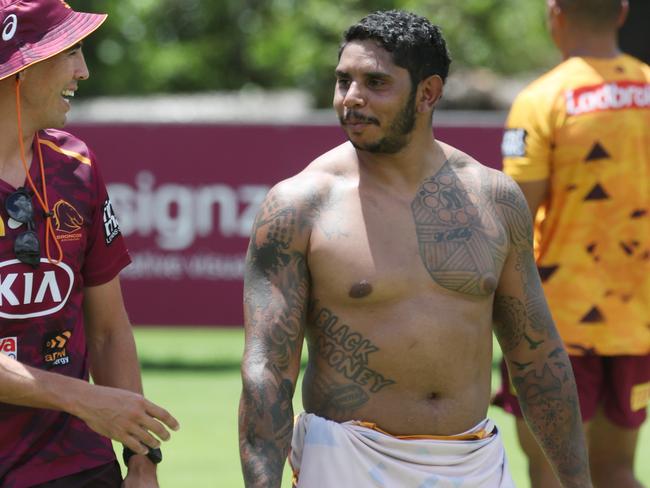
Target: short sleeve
[106, 252]
[526, 145]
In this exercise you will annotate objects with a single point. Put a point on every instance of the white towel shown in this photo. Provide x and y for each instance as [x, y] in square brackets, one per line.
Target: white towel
[326, 454]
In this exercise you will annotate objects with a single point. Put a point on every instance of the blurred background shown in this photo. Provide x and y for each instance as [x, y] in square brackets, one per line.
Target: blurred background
[195, 108]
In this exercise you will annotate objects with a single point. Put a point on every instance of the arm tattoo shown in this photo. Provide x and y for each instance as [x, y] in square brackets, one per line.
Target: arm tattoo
[275, 298]
[509, 321]
[541, 374]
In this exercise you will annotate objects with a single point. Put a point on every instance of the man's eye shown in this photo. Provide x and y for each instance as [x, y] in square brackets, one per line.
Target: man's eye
[376, 83]
[342, 82]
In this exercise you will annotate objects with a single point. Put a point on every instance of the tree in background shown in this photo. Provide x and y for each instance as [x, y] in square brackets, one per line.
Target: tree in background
[172, 46]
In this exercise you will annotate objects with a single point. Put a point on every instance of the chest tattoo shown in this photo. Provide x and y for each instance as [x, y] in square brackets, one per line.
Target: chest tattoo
[461, 243]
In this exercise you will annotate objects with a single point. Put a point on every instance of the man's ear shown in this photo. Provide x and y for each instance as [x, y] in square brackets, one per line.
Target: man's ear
[429, 92]
[622, 16]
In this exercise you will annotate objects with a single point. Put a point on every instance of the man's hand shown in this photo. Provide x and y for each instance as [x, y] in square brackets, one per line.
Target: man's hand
[125, 416]
[141, 473]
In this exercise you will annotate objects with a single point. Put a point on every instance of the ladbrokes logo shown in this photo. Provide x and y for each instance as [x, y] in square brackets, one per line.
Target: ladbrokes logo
[67, 221]
[611, 96]
[9, 347]
[27, 293]
[55, 352]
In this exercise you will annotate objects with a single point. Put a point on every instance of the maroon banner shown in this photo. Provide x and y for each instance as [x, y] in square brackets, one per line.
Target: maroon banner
[186, 197]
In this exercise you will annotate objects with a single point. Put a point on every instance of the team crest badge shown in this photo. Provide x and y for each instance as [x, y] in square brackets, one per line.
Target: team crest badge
[67, 221]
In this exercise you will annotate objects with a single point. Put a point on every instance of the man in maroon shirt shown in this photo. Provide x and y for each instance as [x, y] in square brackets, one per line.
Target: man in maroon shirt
[62, 316]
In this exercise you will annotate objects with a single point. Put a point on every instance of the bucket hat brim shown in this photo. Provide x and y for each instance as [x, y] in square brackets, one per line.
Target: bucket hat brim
[72, 30]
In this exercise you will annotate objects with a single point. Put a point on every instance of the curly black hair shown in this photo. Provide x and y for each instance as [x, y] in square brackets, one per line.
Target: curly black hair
[415, 43]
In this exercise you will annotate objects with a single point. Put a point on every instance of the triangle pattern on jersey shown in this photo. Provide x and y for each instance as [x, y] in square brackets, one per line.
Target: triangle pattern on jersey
[594, 315]
[597, 152]
[597, 193]
[545, 272]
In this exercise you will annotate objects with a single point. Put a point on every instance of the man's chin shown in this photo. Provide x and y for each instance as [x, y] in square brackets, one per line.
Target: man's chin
[59, 123]
[380, 147]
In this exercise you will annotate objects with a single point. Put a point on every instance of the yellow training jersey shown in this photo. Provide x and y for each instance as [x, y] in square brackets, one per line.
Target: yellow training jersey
[585, 127]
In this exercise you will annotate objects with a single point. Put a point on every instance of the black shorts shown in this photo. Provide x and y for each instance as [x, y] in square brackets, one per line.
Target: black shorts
[104, 476]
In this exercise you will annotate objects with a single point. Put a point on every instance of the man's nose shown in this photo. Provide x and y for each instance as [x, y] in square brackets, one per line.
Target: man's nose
[354, 96]
[81, 69]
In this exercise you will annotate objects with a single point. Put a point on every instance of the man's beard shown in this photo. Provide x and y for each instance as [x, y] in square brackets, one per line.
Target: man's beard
[398, 131]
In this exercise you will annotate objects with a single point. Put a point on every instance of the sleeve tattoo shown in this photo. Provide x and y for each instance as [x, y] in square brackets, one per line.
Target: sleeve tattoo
[275, 305]
[539, 366]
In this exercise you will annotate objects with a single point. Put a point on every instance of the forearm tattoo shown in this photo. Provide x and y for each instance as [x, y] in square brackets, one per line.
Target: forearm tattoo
[275, 300]
[545, 386]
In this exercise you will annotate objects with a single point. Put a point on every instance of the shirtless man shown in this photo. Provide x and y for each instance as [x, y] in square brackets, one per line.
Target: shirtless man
[393, 255]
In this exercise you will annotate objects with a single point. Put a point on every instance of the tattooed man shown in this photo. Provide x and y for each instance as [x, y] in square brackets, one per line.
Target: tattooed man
[393, 255]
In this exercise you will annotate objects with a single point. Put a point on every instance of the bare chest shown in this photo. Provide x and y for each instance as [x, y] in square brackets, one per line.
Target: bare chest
[447, 237]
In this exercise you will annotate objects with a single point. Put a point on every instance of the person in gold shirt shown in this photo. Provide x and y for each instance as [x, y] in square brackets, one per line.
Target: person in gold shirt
[577, 142]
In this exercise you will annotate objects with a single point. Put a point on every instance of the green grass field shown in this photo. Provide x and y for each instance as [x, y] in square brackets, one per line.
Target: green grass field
[194, 373]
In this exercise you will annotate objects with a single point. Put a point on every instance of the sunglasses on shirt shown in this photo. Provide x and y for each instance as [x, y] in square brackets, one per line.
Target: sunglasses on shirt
[20, 208]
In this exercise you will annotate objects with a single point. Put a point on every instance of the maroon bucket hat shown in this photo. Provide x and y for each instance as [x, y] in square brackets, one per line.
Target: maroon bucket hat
[35, 30]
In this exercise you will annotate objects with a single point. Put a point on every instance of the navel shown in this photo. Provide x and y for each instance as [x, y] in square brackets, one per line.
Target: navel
[360, 290]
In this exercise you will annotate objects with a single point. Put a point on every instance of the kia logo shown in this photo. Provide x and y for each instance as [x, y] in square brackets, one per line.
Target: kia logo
[34, 293]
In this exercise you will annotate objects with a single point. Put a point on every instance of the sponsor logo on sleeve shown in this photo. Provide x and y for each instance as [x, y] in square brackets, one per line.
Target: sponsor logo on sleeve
[619, 95]
[514, 143]
[111, 227]
[9, 347]
[55, 352]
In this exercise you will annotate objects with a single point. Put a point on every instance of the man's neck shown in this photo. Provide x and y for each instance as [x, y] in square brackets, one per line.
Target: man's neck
[11, 164]
[590, 45]
[406, 168]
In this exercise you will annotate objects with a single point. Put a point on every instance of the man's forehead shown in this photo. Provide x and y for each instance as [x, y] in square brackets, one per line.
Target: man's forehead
[366, 55]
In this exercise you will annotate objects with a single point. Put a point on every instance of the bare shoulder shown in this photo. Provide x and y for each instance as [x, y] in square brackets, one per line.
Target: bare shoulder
[498, 190]
[293, 204]
[511, 207]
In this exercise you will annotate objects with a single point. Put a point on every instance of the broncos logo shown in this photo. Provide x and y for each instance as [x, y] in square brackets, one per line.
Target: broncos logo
[66, 217]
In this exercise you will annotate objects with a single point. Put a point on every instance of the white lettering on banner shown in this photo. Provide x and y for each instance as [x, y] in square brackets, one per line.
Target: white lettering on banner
[610, 96]
[150, 265]
[177, 214]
